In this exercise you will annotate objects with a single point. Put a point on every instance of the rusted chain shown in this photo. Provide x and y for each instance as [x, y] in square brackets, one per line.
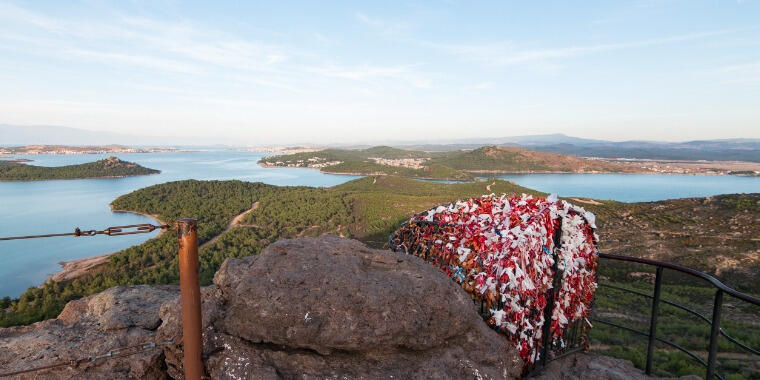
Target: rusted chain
[110, 231]
[110, 354]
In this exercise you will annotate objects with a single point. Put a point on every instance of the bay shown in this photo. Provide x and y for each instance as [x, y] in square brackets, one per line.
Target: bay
[635, 187]
[58, 206]
[41, 207]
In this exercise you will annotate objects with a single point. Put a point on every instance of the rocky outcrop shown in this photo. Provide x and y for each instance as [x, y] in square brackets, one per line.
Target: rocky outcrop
[302, 309]
[598, 367]
[333, 308]
[118, 317]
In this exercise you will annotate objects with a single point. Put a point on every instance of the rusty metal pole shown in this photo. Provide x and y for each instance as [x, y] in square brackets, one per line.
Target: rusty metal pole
[189, 284]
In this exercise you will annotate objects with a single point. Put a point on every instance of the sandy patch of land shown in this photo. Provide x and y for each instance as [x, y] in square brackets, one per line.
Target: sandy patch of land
[587, 201]
[77, 268]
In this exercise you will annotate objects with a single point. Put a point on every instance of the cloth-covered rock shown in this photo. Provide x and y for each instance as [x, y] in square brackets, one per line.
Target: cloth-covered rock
[505, 251]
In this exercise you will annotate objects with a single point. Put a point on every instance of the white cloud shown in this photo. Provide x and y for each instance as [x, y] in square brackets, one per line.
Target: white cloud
[385, 27]
[181, 47]
[745, 73]
[508, 53]
[483, 85]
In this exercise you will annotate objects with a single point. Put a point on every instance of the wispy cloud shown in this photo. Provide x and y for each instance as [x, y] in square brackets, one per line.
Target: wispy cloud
[371, 74]
[509, 53]
[745, 73]
[384, 26]
[180, 47]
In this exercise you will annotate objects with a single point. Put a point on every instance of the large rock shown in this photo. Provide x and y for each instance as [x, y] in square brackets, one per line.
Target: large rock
[333, 308]
[118, 317]
[303, 309]
[593, 366]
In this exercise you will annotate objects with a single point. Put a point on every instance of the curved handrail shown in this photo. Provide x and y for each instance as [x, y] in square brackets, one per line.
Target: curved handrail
[686, 309]
[730, 291]
[674, 345]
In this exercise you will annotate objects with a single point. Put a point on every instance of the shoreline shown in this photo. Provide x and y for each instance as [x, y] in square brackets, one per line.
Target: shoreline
[71, 270]
[654, 166]
[75, 179]
[479, 173]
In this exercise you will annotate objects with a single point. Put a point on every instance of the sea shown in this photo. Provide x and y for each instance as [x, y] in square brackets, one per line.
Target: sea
[40, 207]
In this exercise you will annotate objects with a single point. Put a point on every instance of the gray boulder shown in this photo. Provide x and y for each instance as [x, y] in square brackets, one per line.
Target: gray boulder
[594, 366]
[118, 317]
[333, 308]
[303, 309]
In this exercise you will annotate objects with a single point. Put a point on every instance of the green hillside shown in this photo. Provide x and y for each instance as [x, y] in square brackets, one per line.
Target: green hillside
[458, 165]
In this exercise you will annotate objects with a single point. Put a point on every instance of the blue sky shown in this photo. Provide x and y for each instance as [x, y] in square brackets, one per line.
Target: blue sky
[328, 72]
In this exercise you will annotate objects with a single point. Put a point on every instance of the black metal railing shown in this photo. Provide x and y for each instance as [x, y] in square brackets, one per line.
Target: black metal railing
[714, 322]
[574, 337]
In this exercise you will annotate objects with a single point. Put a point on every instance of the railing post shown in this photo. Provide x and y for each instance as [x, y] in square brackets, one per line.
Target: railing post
[653, 320]
[189, 284]
[714, 331]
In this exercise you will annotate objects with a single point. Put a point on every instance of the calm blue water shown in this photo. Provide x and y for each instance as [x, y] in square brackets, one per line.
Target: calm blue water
[39, 207]
[59, 206]
[635, 187]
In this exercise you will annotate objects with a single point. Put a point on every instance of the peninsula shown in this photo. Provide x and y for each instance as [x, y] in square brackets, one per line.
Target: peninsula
[111, 167]
[466, 164]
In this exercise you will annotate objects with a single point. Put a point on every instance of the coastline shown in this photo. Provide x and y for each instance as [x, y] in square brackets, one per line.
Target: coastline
[479, 173]
[658, 167]
[71, 270]
[74, 179]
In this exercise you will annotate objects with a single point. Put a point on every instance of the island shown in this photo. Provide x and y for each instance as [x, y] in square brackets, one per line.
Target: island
[469, 164]
[111, 167]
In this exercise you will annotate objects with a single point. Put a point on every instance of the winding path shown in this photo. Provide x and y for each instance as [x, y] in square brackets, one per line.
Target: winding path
[233, 223]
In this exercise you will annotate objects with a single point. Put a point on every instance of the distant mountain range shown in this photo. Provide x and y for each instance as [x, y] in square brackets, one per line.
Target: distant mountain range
[738, 149]
[710, 150]
[17, 135]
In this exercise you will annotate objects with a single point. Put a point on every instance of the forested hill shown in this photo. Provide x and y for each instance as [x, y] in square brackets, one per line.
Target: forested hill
[459, 165]
[111, 167]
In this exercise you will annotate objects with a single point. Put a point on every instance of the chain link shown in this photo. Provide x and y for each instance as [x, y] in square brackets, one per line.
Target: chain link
[110, 231]
[113, 353]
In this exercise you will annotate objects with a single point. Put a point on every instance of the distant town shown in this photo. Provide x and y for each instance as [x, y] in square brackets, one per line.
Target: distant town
[96, 149]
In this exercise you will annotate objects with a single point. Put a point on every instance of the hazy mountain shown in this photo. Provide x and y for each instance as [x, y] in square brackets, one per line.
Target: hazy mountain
[13, 135]
[56, 135]
[549, 139]
[737, 149]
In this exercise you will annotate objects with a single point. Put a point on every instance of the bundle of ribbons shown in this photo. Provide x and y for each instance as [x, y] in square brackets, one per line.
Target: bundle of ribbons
[502, 250]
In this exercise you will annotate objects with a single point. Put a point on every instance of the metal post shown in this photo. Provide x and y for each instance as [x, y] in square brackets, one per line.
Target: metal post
[715, 330]
[653, 320]
[189, 284]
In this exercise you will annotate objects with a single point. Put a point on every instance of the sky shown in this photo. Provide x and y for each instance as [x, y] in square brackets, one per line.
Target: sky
[281, 72]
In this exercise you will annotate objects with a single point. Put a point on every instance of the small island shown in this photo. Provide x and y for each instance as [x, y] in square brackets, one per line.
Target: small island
[111, 167]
